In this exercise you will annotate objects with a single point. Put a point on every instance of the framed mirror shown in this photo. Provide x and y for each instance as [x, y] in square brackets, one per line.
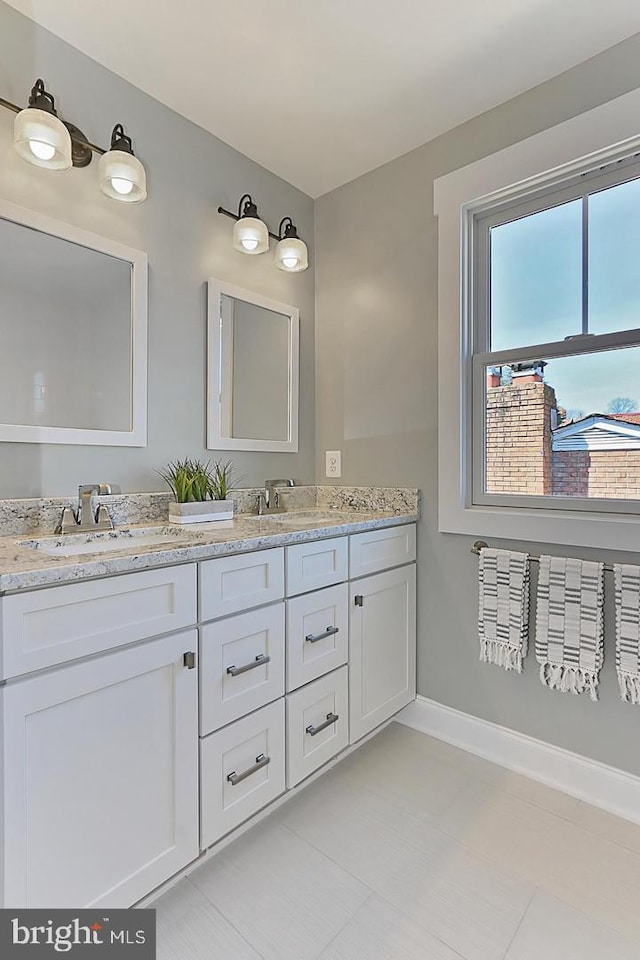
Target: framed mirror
[252, 371]
[73, 334]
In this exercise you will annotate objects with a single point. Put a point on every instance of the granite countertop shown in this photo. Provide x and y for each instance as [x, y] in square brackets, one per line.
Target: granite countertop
[25, 567]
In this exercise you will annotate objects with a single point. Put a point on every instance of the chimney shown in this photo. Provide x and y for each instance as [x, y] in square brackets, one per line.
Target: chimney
[494, 375]
[519, 423]
[529, 371]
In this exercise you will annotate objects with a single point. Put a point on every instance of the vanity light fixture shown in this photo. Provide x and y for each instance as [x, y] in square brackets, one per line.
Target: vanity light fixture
[122, 176]
[41, 138]
[251, 235]
[291, 252]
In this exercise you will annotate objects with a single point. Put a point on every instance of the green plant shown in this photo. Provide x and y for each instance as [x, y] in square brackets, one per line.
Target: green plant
[194, 481]
[222, 479]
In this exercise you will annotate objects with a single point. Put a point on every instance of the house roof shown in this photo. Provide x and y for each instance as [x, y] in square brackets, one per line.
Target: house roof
[627, 417]
[599, 431]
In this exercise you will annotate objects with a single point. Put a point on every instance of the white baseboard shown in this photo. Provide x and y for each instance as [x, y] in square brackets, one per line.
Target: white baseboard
[603, 786]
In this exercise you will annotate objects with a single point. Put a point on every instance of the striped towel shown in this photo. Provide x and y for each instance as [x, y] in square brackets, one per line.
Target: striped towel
[570, 624]
[503, 618]
[627, 584]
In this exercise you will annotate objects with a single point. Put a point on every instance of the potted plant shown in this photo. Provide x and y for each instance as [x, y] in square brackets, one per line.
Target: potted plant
[201, 490]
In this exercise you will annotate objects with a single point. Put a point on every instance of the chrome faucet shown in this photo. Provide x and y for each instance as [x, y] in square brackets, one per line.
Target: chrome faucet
[269, 500]
[83, 520]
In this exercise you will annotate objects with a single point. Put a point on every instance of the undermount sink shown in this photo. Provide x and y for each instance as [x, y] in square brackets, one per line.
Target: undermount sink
[109, 541]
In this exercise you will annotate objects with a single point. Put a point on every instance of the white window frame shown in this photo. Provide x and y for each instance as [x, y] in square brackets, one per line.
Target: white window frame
[592, 139]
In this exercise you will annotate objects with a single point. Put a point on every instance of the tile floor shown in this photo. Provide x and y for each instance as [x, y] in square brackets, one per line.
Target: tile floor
[413, 850]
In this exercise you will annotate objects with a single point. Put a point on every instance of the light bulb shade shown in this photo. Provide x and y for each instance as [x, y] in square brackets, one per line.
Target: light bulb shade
[42, 139]
[122, 177]
[250, 235]
[292, 255]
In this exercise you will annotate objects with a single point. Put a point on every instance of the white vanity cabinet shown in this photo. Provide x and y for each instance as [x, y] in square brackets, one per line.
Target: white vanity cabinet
[147, 715]
[100, 777]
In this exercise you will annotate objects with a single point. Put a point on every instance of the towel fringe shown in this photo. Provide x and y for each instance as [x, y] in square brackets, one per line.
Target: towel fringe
[629, 687]
[565, 679]
[493, 651]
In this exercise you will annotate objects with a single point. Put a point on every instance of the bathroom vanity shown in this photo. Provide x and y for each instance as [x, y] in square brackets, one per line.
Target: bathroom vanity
[155, 697]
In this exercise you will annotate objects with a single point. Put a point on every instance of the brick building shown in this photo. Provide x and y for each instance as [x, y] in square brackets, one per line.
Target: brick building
[527, 453]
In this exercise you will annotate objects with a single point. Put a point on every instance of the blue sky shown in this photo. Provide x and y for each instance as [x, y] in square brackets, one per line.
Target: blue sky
[536, 291]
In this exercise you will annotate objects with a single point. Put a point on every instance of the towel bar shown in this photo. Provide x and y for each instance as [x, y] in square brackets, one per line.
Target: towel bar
[481, 544]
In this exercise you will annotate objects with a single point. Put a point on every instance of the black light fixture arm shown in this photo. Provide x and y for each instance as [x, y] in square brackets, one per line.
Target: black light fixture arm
[9, 106]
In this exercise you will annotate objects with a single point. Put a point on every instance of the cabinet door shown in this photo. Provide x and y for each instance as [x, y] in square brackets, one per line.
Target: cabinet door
[241, 665]
[100, 777]
[382, 643]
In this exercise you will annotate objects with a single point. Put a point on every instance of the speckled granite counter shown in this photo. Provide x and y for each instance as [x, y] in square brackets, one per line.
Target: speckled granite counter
[24, 566]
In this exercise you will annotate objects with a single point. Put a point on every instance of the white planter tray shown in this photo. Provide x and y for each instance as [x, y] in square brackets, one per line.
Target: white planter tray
[203, 512]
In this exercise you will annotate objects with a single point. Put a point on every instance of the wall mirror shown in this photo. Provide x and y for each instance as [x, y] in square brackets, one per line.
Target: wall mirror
[73, 334]
[252, 379]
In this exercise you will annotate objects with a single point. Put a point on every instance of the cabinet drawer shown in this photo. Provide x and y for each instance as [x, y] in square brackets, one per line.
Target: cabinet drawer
[311, 566]
[317, 634]
[241, 770]
[381, 549]
[317, 726]
[241, 665]
[231, 584]
[58, 624]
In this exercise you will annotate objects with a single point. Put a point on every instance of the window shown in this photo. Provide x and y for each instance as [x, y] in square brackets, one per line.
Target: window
[542, 175]
[555, 336]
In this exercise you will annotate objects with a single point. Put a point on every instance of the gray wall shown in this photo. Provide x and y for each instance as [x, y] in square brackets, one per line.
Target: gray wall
[376, 356]
[189, 173]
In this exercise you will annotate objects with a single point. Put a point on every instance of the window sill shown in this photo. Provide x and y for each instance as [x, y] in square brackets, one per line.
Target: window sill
[604, 531]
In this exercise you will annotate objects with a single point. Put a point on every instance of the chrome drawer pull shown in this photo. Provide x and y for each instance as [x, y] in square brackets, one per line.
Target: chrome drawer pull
[314, 637]
[331, 718]
[259, 661]
[261, 761]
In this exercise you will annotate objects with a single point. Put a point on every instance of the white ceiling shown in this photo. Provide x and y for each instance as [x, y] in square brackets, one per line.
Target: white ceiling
[320, 91]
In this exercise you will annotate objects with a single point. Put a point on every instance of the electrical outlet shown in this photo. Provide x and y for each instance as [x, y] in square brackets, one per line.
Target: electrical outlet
[333, 463]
